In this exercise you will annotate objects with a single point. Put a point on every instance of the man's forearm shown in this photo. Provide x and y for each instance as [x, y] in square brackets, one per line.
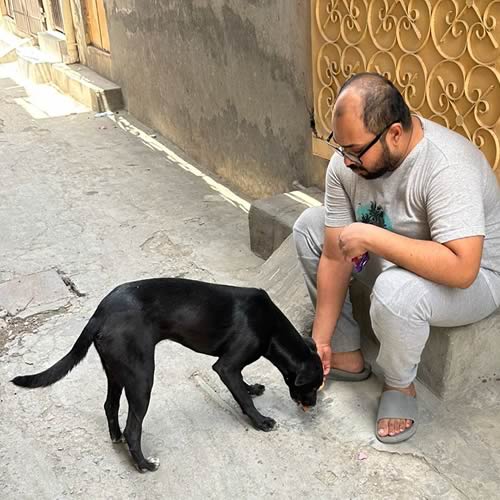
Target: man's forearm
[332, 283]
[428, 259]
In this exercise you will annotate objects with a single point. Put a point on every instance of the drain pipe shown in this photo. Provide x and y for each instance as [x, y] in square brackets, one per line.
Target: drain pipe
[69, 31]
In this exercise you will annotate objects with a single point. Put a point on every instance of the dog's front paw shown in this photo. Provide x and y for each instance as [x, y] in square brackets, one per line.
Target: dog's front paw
[151, 464]
[266, 424]
[256, 389]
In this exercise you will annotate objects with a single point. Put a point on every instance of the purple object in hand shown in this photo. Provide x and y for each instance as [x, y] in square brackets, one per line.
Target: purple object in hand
[360, 262]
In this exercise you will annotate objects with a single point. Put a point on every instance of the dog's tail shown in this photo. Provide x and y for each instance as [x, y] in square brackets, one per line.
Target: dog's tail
[64, 365]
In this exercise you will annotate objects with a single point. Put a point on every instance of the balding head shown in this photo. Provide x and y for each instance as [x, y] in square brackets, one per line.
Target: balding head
[373, 99]
[349, 105]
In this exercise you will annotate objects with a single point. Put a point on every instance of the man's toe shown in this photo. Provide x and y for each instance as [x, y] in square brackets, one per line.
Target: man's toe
[392, 427]
[382, 428]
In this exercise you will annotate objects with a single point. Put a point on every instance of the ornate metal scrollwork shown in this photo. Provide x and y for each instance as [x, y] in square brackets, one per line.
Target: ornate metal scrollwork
[444, 56]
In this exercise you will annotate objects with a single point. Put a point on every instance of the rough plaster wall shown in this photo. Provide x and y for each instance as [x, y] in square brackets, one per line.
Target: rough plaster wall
[227, 80]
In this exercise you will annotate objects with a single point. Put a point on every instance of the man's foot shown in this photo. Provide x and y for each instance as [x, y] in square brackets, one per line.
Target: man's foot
[394, 426]
[351, 362]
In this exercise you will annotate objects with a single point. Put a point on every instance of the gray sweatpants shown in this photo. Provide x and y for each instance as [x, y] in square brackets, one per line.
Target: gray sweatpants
[403, 305]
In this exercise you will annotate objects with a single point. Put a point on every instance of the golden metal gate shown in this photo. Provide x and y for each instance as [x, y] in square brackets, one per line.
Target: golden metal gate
[443, 55]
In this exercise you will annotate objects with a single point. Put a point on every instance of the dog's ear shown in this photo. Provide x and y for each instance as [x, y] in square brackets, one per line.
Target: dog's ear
[310, 342]
[304, 376]
[301, 379]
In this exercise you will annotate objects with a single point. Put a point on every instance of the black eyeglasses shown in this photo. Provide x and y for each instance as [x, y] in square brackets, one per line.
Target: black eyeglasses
[356, 157]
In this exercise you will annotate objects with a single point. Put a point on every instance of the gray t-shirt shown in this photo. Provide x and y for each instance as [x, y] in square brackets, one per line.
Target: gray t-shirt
[444, 190]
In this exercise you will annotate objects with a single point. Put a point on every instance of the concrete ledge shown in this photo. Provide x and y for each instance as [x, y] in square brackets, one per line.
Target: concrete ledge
[87, 87]
[454, 361]
[44, 66]
[7, 55]
[457, 359]
[34, 65]
[53, 43]
[271, 220]
[9, 43]
[281, 277]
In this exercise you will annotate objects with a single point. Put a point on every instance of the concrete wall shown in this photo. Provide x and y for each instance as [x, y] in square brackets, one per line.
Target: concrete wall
[225, 80]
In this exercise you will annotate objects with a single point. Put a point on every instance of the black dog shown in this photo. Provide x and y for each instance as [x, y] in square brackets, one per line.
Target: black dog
[238, 325]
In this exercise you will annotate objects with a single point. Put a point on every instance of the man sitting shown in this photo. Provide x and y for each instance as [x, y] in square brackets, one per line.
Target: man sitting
[424, 204]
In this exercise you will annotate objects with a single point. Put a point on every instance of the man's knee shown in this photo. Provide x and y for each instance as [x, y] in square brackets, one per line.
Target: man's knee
[310, 226]
[310, 219]
[399, 294]
[308, 232]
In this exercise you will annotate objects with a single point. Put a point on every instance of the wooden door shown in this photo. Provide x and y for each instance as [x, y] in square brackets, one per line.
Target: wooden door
[97, 25]
[29, 16]
[57, 15]
[9, 10]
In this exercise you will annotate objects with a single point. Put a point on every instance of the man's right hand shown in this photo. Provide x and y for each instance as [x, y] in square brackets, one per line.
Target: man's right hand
[333, 276]
[325, 353]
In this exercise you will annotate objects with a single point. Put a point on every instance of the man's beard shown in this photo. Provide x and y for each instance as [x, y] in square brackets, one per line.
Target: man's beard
[387, 163]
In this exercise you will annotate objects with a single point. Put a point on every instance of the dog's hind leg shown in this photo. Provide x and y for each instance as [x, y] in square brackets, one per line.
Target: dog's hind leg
[229, 367]
[115, 388]
[111, 407]
[138, 392]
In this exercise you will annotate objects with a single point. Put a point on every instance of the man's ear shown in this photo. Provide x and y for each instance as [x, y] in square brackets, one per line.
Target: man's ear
[310, 342]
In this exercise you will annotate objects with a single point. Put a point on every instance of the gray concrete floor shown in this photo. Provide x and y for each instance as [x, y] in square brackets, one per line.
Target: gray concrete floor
[98, 202]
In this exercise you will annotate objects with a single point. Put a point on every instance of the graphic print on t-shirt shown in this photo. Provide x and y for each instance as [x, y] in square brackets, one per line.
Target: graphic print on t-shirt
[372, 213]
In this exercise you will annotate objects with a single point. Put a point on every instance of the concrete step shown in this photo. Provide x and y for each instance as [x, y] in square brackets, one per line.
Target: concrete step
[271, 219]
[9, 43]
[34, 65]
[45, 66]
[7, 53]
[454, 361]
[87, 87]
[53, 43]
[281, 277]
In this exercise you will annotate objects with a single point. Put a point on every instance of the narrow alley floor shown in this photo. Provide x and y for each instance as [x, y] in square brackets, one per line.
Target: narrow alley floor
[100, 200]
